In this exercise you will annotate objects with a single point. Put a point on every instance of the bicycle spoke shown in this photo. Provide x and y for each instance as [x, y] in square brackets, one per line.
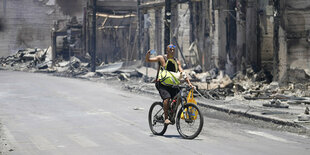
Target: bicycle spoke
[191, 124]
[156, 119]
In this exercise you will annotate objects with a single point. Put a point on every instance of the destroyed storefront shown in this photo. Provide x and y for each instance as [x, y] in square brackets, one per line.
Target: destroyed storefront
[67, 39]
[116, 36]
[26, 24]
[231, 36]
[292, 27]
[116, 31]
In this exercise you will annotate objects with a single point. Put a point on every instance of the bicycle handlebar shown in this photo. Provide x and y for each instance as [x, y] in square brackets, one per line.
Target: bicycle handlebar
[182, 86]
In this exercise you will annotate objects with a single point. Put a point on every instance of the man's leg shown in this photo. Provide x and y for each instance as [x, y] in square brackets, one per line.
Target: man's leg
[166, 107]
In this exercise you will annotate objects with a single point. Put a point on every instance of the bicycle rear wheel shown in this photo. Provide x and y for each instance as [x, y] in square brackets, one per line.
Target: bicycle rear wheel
[157, 119]
[190, 125]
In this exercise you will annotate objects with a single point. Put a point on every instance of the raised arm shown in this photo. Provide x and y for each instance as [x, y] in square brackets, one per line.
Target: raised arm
[158, 58]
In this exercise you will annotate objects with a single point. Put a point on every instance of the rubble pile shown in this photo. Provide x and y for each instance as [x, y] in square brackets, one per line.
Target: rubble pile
[250, 85]
[26, 60]
[72, 68]
[213, 84]
[40, 60]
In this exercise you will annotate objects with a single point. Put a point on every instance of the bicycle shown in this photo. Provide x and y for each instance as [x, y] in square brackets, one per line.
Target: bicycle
[189, 120]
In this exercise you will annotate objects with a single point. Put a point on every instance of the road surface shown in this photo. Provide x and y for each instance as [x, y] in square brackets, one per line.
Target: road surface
[42, 114]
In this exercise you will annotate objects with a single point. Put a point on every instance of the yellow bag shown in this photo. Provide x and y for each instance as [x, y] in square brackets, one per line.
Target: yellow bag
[193, 112]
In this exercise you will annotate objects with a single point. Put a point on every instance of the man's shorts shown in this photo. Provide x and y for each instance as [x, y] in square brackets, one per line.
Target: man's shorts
[166, 91]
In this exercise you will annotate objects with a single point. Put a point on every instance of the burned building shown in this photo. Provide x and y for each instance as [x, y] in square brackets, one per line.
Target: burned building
[27, 24]
[232, 35]
[115, 30]
[229, 35]
[292, 33]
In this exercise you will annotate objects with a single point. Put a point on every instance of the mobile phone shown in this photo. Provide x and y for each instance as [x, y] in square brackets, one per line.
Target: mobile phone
[153, 52]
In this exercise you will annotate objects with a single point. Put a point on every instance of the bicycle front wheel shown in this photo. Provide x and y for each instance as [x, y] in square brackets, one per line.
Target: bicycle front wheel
[157, 119]
[189, 121]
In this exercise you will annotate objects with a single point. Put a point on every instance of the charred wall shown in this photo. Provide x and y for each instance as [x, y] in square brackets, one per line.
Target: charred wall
[28, 23]
[116, 30]
[2, 25]
[265, 27]
[295, 22]
[71, 7]
[273, 35]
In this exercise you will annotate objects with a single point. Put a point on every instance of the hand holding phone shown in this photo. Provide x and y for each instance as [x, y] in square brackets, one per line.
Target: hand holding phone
[153, 52]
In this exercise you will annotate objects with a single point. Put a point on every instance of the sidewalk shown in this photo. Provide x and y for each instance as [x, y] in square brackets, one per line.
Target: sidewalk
[247, 108]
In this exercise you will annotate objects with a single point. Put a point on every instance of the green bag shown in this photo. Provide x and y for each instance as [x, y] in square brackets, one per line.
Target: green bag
[167, 78]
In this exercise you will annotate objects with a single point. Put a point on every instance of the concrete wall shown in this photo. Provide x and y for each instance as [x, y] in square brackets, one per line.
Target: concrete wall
[297, 22]
[27, 24]
[183, 31]
[294, 48]
[266, 33]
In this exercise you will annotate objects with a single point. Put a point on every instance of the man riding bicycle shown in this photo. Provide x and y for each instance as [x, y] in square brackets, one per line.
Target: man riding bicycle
[168, 75]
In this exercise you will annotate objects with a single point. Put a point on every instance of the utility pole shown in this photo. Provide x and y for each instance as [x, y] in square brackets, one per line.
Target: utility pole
[167, 23]
[93, 57]
[139, 29]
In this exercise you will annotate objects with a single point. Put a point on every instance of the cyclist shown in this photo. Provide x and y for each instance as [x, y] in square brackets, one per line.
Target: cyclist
[165, 80]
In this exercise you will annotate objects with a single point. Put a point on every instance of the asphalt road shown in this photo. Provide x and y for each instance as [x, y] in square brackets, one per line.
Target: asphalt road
[42, 114]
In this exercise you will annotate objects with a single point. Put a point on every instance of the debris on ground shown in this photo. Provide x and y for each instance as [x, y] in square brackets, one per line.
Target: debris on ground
[276, 103]
[307, 111]
[214, 84]
[303, 117]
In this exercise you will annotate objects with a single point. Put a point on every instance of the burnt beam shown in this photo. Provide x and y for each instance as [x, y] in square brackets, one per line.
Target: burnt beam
[151, 5]
[93, 56]
[167, 23]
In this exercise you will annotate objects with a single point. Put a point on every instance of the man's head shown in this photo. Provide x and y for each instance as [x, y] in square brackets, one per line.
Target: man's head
[170, 49]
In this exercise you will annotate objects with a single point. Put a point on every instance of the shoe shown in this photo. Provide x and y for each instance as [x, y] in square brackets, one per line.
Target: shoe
[167, 121]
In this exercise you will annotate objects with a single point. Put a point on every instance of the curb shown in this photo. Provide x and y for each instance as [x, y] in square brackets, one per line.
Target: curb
[245, 114]
[249, 115]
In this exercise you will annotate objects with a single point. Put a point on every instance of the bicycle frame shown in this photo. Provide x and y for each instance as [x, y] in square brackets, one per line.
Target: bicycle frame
[185, 117]
[180, 99]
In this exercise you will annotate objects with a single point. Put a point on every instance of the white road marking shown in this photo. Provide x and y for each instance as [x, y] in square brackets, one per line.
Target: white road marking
[41, 116]
[98, 112]
[269, 136]
[12, 143]
[8, 135]
[42, 143]
[4, 94]
[114, 116]
[82, 140]
[123, 139]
